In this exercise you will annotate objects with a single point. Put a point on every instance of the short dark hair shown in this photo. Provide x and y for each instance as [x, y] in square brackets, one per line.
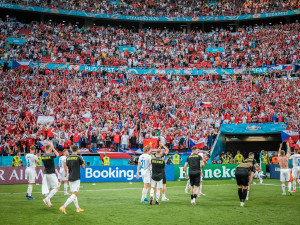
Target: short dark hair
[251, 153]
[74, 148]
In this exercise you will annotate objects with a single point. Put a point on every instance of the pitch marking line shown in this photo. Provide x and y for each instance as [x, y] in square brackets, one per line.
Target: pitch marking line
[120, 189]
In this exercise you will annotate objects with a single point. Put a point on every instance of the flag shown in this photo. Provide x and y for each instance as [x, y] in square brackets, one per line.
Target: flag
[185, 89]
[200, 143]
[297, 145]
[248, 108]
[83, 150]
[286, 134]
[150, 141]
[20, 65]
[205, 104]
[42, 144]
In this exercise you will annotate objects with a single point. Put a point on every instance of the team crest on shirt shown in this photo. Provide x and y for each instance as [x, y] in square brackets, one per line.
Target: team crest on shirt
[253, 127]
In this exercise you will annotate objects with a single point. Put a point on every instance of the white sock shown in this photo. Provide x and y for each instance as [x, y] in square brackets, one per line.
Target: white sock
[294, 185]
[163, 195]
[51, 194]
[248, 194]
[187, 185]
[152, 193]
[66, 187]
[69, 200]
[200, 189]
[283, 187]
[29, 190]
[290, 186]
[144, 193]
[157, 195]
[76, 203]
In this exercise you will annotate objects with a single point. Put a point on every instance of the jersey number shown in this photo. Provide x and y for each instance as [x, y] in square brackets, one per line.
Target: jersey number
[298, 162]
[28, 163]
[143, 164]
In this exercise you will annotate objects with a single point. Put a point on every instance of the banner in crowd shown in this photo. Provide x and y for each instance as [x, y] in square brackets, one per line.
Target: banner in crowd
[45, 119]
[116, 174]
[260, 70]
[17, 41]
[253, 128]
[125, 48]
[147, 18]
[275, 171]
[213, 50]
[212, 172]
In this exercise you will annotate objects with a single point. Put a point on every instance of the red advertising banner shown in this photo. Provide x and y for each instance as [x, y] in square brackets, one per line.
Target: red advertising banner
[16, 175]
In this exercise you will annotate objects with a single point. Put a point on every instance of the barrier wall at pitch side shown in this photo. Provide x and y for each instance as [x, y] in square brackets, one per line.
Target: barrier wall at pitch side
[16, 175]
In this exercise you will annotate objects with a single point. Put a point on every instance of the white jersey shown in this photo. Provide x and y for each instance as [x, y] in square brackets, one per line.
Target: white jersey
[62, 161]
[31, 160]
[296, 160]
[145, 161]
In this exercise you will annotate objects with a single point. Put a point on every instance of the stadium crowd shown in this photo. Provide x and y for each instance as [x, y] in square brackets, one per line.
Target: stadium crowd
[92, 109]
[169, 8]
[256, 46]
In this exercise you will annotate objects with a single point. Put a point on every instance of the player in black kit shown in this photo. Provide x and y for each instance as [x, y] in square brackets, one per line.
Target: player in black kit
[158, 166]
[194, 161]
[243, 174]
[254, 164]
[72, 165]
[50, 179]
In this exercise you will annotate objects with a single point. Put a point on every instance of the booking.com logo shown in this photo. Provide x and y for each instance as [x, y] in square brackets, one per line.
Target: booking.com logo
[109, 173]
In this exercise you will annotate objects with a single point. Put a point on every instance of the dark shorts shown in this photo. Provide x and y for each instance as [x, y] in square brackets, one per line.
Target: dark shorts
[164, 178]
[195, 179]
[242, 176]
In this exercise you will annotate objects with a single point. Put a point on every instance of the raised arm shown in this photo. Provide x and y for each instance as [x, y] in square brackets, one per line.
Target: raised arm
[279, 150]
[288, 153]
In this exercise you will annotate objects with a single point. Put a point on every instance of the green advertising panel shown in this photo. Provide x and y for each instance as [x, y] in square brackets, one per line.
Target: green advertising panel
[213, 172]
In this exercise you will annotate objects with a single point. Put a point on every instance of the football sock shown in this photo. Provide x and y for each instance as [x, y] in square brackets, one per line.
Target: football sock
[290, 186]
[157, 195]
[195, 196]
[51, 194]
[69, 200]
[66, 187]
[152, 193]
[163, 195]
[200, 189]
[294, 185]
[29, 190]
[76, 203]
[240, 192]
[283, 187]
[245, 193]
[192, 196]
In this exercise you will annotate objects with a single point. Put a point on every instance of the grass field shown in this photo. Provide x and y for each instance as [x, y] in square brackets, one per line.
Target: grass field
[119, 203]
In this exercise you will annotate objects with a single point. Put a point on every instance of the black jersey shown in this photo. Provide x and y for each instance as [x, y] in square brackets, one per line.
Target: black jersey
[48, 160]
[73, 163]
[158, 166]
[194, 162]
[252, 161]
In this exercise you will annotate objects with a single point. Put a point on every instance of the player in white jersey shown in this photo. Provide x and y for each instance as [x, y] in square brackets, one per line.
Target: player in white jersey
[145, 165]
[31, 161]
[62, 175]
[296, 168]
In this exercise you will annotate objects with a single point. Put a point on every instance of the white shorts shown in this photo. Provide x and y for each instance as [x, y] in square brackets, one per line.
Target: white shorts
[146, 178]
[30, 173]
[285, 175]
[52, 181]
[62, 175]
[296, 172]
[157, 184]
[74, 185]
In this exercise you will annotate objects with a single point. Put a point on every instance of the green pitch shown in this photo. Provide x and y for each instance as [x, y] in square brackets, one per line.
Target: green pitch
[119, 203]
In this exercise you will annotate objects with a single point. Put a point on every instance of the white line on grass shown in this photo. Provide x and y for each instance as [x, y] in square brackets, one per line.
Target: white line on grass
[120, 189]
